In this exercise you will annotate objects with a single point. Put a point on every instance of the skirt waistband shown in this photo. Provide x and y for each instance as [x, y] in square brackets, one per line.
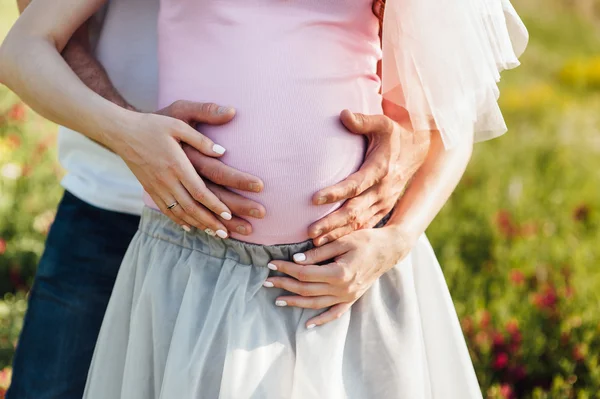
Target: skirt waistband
[157, 225]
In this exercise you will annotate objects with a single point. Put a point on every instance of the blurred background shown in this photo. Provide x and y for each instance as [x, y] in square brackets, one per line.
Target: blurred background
[519, 241]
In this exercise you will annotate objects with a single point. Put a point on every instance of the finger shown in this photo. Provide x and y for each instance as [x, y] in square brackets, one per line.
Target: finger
[190, 210]
[163, 208]
[306, 273]
[221, 174]
[333, 235]
[335, 312]
[372, 171]
[209, 113]
[299, 287]
[321, 254]
[238, 204]
[193, 112]
[238, 225]
[358, 123]
[316, 302]
[199, 192]
[354, 212]
[197, 140]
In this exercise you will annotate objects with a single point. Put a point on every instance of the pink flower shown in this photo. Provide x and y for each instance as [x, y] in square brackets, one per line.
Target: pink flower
[506, 391]
[578, 353]
[517, 277]
[501, 361]
[485, 319]
[17, 112]
[512, 326]
[505, 224]
[2, 246]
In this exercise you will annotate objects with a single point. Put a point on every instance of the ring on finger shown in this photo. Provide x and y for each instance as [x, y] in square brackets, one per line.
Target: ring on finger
[173, 205]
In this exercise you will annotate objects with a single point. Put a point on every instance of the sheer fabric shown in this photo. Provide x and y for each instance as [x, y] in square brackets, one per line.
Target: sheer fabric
[442, 61]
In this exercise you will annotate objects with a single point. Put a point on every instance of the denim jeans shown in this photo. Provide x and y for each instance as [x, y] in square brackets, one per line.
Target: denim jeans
[72, 287]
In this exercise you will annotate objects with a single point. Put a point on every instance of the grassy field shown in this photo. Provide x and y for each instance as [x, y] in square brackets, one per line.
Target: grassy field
[518, 241]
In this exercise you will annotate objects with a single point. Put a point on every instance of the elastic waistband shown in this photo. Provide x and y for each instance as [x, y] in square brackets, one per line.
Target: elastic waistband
[157, 225]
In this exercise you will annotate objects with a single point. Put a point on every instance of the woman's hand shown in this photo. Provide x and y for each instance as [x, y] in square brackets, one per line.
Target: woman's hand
[153, 151]
[359, 259]
[393, 155]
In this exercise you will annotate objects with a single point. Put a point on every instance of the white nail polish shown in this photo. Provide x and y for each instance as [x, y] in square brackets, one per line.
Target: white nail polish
[281, 303]
[210, 232]
[268, 284]
[311, 326]
[299, 257]
[226, 216]
[222, 234]
[218, 149]
[186, 228]
[272, 266]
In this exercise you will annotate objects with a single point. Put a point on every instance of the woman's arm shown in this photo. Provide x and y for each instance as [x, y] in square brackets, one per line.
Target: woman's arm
[32, 66]
[430, 188]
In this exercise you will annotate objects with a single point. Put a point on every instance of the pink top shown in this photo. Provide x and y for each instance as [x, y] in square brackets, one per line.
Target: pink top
[289, 68]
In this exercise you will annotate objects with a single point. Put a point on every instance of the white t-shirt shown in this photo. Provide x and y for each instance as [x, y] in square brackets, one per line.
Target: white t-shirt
[126, 46]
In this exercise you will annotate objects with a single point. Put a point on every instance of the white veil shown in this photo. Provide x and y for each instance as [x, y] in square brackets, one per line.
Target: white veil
[442, 61]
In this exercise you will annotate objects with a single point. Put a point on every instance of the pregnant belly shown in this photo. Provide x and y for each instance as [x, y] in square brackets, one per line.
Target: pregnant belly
[292, 139]
[295, 156]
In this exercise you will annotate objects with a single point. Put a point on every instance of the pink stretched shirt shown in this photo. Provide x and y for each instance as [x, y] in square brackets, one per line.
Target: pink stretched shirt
[289, 68]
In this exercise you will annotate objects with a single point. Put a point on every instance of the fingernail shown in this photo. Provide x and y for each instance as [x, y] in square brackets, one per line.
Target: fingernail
[318, 232]
[241, 229]
[218, 149]
[224, 110]
[281, 303]
[210, 232]
[268, 284]
[299, 257]
[226, 215]
[323, 241]
[222, 233]
[254, 187]
[255, 213]
[311, 326]
[321, 200]
[272, 266]
[186, 228]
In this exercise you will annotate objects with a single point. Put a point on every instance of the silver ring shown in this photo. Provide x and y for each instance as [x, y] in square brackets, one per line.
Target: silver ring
[173, 205]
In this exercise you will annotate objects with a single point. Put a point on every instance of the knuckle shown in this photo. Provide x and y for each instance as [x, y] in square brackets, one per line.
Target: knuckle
[302, 275]
[198, 194]
[387, 124]
[353, 189]
[208, 108]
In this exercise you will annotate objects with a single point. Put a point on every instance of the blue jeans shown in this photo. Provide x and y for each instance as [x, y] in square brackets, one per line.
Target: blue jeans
[72, 287]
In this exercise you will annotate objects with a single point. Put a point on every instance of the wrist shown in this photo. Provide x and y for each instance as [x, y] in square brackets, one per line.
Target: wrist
[116, 135]
[403, 232]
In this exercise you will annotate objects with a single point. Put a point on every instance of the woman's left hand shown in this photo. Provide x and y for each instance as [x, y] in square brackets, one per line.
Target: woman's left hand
[357, 261]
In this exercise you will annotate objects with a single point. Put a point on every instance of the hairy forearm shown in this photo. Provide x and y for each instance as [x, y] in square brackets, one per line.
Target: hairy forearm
[79, 57]
[430, 187]
[31, 65]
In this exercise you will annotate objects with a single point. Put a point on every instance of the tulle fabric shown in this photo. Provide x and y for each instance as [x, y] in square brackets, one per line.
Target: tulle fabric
[442, 61]
[189, 318]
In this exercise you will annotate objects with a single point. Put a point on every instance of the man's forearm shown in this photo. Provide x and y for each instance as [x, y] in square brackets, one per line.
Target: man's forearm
[79, 57]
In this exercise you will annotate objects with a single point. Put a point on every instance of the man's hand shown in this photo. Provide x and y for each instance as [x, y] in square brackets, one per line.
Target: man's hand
[357, 261]
[393, 155]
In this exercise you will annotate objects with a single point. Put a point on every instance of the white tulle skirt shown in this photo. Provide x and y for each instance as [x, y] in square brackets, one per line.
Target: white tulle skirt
[189, 318]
